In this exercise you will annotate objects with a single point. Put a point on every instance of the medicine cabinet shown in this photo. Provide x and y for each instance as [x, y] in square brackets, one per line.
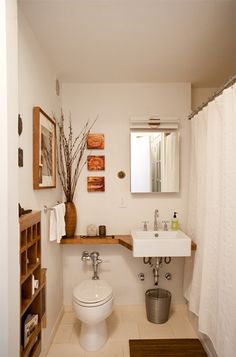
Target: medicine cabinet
[154, 160]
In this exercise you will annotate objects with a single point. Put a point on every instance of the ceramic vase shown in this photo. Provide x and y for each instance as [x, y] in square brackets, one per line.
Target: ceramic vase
[70, 219]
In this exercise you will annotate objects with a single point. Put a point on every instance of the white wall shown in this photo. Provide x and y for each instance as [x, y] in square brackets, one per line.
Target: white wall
[37, 88]
[9, 271]
[115, 104]
[235, 38]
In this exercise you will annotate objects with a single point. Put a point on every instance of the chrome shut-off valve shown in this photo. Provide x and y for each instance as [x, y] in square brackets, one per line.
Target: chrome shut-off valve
[168, 276]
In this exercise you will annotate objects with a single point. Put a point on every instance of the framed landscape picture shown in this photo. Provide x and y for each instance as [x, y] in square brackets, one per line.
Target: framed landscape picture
[44, 150]
[96, 163]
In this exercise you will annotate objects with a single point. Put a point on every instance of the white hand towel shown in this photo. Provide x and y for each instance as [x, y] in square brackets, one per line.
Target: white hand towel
[57, 222]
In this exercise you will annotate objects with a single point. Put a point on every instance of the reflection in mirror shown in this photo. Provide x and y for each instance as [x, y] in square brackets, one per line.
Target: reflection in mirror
[154, 161]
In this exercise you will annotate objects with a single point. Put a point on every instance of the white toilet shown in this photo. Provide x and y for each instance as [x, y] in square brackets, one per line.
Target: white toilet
[92, 303]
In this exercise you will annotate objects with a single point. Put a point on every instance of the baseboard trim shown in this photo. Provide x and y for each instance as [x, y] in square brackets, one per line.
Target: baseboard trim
[53, 333]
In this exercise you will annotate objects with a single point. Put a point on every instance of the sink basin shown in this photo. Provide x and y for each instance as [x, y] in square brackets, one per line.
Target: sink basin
[161, 244]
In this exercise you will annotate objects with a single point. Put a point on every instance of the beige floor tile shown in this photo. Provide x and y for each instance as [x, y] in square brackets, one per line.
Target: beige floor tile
[102, 354]
[124, 331]
[110, 349]
[115, 317]
[150, 330]
[126, 349]
[134, 316]
[181, 327]
[126, 322]
[68, 318]
[68, 308]
[113, 322]
[74, 338]
[63, 333]
[179, 308]
[124, 308]
[66, 350]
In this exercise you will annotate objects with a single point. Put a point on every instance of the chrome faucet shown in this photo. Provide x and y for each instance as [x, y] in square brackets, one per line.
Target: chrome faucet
[94, 257]
[156, 215]
[95, 261]
[155, 270]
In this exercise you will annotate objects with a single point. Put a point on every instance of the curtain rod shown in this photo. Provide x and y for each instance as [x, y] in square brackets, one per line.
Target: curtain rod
[230, 82]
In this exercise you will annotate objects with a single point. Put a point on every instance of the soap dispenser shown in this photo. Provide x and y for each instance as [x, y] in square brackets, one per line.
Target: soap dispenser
[174, 222]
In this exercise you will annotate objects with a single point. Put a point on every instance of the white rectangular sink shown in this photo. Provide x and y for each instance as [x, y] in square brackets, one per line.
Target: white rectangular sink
[161, 244]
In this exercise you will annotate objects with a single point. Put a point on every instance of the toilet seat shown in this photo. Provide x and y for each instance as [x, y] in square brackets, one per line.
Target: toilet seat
[88, 305]
[92, 293]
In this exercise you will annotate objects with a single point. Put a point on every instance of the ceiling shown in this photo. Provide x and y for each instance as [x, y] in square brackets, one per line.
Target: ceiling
[137, 40]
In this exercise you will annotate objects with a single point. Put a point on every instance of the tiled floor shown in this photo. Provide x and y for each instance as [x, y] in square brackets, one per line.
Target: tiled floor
[126, 322]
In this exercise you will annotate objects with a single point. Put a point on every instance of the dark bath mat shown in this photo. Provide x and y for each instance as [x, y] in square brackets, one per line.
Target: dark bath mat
[187, 347]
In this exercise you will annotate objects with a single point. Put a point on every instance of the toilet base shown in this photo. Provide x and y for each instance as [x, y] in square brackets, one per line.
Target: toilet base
[93, 337]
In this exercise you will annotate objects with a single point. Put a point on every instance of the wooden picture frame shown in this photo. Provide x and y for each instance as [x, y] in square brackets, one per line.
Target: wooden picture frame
[96, 162]
[95, 141]
[44, 150]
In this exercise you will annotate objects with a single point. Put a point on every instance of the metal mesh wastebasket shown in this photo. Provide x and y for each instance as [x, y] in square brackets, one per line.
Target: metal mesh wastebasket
[157, 305]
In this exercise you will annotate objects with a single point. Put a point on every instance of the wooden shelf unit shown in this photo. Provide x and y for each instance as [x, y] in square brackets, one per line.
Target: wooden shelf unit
[32, 300]
[125, 240]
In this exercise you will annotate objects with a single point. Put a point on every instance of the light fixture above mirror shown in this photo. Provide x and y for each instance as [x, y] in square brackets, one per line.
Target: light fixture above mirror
[154, 122]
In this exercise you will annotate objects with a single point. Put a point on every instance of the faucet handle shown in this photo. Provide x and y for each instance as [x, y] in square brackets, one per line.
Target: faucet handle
[165, 225]
[145, 227]
[85, 256]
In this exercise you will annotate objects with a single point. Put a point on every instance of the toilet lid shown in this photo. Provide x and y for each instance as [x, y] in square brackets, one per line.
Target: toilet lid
[91, 291]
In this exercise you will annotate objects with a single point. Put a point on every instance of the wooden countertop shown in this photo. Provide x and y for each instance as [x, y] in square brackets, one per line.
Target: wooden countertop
[125, 240]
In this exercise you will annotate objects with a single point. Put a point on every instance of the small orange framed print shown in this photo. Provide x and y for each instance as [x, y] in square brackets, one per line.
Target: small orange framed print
[95, 141]
[95, 183]
[95, 162]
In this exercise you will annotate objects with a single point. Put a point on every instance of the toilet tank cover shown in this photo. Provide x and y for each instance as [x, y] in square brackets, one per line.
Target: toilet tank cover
[90, 291]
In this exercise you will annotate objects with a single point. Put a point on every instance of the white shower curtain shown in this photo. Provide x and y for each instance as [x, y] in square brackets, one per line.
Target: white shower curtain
[212, 222]
[196, 209]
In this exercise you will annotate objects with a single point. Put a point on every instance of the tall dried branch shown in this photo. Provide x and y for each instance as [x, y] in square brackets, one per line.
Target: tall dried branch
[70, 155]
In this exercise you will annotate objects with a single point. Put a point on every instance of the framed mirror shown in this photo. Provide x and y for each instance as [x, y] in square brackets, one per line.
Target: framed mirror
[154, 161]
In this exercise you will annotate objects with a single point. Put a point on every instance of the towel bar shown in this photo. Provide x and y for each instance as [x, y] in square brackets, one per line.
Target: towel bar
[46, 208]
